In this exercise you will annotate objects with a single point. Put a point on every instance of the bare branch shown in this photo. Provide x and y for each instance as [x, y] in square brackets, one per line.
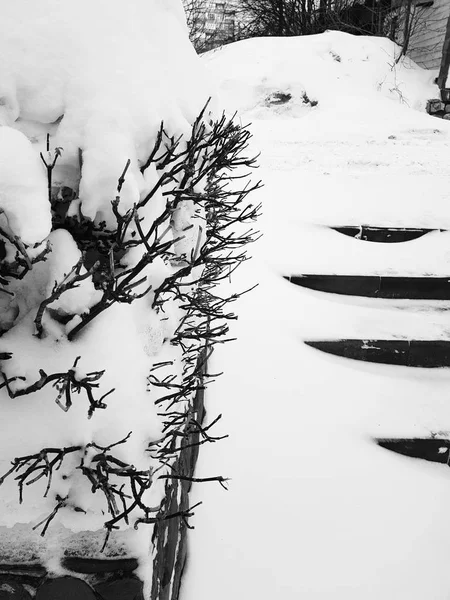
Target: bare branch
[65, 383]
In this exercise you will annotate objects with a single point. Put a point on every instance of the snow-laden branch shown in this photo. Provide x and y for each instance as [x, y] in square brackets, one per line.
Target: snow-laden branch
[206, 160]
[66, 385]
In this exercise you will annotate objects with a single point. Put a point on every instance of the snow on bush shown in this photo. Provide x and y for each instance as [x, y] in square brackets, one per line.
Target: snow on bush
[23, 200]
[114, 72]
[117, 221]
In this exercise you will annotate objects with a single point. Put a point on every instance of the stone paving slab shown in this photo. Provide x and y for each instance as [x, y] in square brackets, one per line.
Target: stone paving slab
[72, 588]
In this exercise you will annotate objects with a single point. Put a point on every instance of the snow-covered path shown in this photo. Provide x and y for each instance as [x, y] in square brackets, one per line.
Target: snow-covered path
[315, 509]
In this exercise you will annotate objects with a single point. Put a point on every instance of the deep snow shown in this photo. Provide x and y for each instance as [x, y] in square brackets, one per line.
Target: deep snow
[315, 509]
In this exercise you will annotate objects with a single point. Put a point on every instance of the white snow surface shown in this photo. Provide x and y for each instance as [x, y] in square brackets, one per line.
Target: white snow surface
[23, 200]
[315, 509]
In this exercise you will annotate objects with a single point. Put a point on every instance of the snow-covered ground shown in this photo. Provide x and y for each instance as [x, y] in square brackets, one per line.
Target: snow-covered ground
[315, 510]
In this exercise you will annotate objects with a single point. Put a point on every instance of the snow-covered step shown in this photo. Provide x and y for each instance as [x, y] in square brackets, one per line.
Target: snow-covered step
[316, 248]
[390, 235]
[406, 353]
[374, 286]
[432, 449]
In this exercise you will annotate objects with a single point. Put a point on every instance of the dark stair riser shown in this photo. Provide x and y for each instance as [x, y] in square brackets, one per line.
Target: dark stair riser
[386, 235]
[374, 286]
[413, 353]
[431, 449]
[88, 565]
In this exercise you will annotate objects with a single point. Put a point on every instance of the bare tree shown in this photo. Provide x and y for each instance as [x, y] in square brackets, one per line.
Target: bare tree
[302, 17]
[208, 23]
[445, 64]
[408, 23]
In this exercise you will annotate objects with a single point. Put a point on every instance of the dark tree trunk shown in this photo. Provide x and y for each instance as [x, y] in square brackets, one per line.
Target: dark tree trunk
[408, 27]
[445, 63]
[170, 537]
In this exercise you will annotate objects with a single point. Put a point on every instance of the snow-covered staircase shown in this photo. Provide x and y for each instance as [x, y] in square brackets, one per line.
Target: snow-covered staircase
[401, 352]
[410, 352]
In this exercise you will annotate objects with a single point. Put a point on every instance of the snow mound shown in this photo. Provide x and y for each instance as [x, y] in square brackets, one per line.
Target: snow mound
[276, 77]
[23, 200]
[99, 76]
[369, 524]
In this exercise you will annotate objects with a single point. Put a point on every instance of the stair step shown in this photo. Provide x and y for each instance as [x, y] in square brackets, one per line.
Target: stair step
[390, 235]
[408, 353]
[93, 565]
[375, 286]
[432, 449]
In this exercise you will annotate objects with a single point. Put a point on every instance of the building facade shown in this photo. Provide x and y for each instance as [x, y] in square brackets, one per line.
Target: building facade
[428, 33]
[213, 23]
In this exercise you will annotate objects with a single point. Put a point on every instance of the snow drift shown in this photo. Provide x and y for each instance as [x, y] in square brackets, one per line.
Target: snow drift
[315, 509]
[288, 77]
